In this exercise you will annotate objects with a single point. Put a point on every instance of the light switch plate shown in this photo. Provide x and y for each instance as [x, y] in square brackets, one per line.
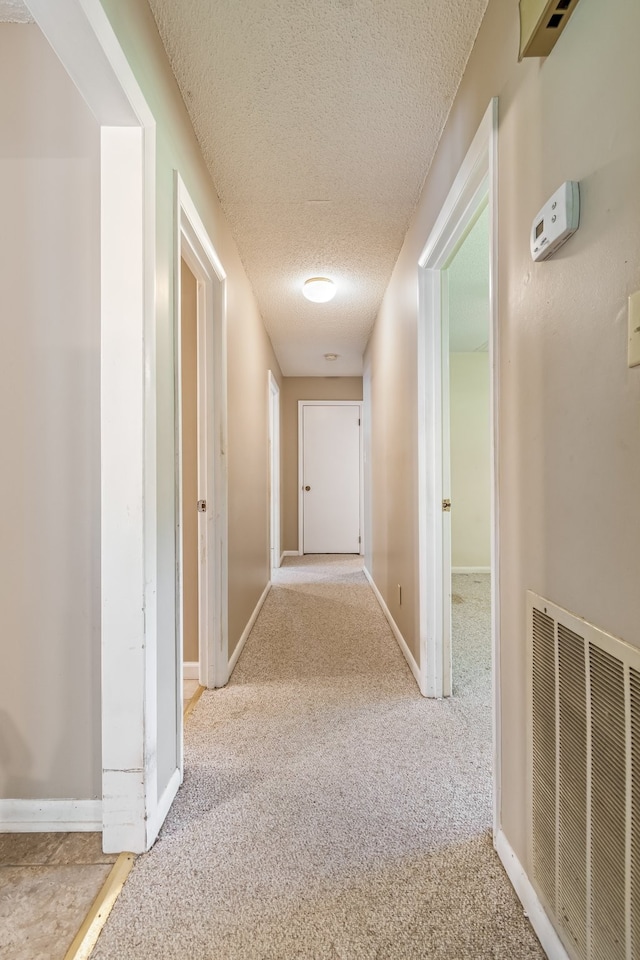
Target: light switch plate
[634, 329]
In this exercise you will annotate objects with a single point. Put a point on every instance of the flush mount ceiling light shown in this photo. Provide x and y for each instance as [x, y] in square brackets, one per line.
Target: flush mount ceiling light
[319, 289]
[331, 356]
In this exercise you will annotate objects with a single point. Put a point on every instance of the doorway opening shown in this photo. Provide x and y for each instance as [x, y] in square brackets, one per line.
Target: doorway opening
[466, 475]
[274, 472]
[189, 436]
[200, 444]
[466, 458]
[457, 415]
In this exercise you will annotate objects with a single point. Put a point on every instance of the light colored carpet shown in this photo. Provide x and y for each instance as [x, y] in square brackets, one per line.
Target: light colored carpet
[329, 811]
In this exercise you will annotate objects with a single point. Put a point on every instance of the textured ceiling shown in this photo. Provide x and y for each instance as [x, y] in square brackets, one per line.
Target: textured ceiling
[318, 120]
[469, 291]
[14, 11]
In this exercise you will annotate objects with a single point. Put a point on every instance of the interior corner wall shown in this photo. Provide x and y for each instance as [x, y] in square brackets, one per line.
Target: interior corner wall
[470, 459]
[249, 357]
[569, 443]
[293, 390]
[50, 725]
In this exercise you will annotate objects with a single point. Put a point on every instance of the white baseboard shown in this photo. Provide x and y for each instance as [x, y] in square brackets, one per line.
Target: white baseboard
[402, 643]
[470, 569]
[247, 630]
[290, 553]
[50, 816]
[191, 670]
[164, 805]
[549, 939]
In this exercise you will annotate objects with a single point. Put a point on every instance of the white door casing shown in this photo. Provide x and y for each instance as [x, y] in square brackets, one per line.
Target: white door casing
[330, 476]
[447, 652]
[83, 39]
[193, 244]
[476, 179]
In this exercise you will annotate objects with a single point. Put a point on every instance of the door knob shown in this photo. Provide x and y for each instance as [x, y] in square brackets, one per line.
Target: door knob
[307, 488]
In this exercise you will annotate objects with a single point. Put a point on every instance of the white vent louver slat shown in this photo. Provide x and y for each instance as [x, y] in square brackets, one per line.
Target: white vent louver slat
[544, 755]
[608, 807]
[572, 786]
[585, 782]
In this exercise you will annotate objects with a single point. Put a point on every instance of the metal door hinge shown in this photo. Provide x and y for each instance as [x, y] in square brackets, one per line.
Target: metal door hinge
[359, 539]
[446, 506]
[202, 506]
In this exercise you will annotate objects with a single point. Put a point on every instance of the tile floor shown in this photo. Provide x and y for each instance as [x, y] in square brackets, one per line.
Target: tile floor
[48, 882]
[189, 688]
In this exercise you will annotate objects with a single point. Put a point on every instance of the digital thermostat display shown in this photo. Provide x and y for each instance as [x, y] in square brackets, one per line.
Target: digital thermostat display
[556, 222]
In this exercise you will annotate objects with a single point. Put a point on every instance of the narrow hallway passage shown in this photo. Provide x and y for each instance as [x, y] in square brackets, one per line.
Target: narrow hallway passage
[328, 810]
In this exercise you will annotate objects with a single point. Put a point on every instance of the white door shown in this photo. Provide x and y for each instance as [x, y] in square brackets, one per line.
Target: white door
[330, 478]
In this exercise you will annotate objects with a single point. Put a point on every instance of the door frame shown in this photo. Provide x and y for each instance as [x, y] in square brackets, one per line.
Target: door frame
[274, 472]
[326, 403]
[477, 178]
[192, 243]
[83, 39]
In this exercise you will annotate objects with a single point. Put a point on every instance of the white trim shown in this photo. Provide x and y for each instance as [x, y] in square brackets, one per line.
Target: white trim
[544, 930]
[402, 643]
[50, 816]
[470, 569]
[494, 405]
[290, 553]
[193, 243]
[165, 801]
[326, 403]
[477, 178]
[190, 670]
[80, 33]
[247, 630]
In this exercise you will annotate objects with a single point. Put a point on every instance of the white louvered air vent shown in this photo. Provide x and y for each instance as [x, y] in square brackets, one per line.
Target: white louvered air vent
[584, 777]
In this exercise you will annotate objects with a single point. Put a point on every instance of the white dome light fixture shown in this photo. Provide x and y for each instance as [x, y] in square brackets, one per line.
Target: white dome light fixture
[319, 289]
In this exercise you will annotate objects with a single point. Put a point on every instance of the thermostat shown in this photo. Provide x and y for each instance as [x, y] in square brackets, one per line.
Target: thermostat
[556, 222]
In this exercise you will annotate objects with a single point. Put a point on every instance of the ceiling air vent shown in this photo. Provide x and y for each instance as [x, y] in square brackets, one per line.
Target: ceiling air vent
[584, 776]
[541, 23]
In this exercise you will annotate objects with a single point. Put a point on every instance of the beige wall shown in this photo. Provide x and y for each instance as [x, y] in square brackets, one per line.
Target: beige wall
[295, 389]
[569, 406]
[50, 745]
[470, 461]
[250, 355]
[189, 367]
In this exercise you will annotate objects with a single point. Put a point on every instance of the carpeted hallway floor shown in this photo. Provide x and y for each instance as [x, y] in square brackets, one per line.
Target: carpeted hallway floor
[329, 812]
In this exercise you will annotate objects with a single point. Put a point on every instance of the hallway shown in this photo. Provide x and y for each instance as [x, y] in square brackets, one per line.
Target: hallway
[328, 810]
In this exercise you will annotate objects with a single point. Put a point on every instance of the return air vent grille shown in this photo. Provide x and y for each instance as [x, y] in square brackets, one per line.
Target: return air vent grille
[584, 769]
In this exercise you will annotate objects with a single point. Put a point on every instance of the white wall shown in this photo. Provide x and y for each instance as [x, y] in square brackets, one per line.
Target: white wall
[470, 460]
[50, 428]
